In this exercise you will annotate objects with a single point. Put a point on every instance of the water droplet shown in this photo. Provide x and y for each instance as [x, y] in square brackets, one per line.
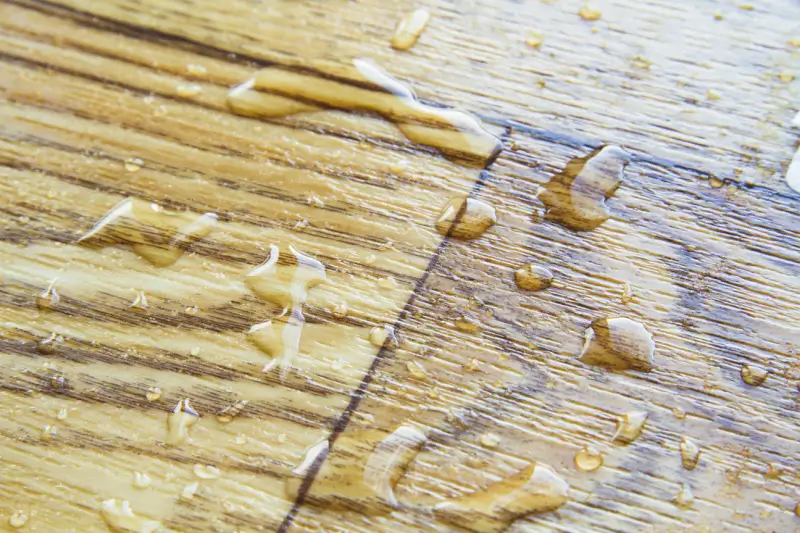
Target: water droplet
[684, 498]
[534, 40]
[48, 433]
[189, 491]
[206, 472]
[153, 394]
[340, 310]
[797, 509]
[576, 197]
[678, 413]
[51, 344]
[139, 302]
[774, 471]
[141, 480]
[337, 365]
[754, 375]
[409, 29]
[630, 426]
[690, 453]
[588, 459]
[416, 370]
[186, 90]
[388, 283]
[49, 298]
[196, 70]
[153, 233]
[587, 13]
[793, 173]
[62, 414]
[711, 94]
[133, 164]
[473, 365]
[179, 421]
[627, 293]
[232, 411]
[361, 471]
[536, 489]
[716, 182]
[466, 324]
[469, 218]
[490, 440]
[119, 517]
[276, 92]
[379, 335]
[18, 519]
[533, 278]
[619, 344]
[195, 351]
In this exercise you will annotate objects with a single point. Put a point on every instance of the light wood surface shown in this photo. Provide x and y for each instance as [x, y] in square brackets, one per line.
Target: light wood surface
[481, 379]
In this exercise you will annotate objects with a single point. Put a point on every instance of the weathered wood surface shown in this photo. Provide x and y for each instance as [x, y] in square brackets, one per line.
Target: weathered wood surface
[86, 85]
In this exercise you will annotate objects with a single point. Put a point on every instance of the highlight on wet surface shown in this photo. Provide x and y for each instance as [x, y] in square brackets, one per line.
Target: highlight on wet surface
[159, 235]
[466, 218]
[576, 197]
[362, 86]
[618, 344]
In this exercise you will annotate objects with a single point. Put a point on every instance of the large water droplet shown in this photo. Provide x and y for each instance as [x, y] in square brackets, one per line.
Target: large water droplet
[468, 218]
[536, 489]
[277, 92]
[576, 198]
[754, 375]
[533, 278]
[619, 344]
[155, 234]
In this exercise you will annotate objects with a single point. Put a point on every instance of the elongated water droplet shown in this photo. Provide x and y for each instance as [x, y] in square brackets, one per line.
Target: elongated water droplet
[120, 518]
[684, 498]
[187, 90]
[179, 421]
[690, 453]
[416, 370]
[754, 375]
[490, 440]
[588, 459]
[153, 233]
[318, 449]
[536, 489]
[409, 29]
[133, 164]
[630, 426]
[49, 298]
[277, 92]
[533, 278]
[576, 198]
[141, 480]
[18, 519]
[206, 471]
[466, 218]
[587, 13]
[618, 344]
[627, 293]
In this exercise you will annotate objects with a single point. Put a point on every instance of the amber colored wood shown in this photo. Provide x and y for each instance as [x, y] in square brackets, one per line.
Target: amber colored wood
[703, 230]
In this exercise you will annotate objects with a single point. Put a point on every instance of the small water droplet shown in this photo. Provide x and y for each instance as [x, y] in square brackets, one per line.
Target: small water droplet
[534, 40]
[576, 197]
[618, 344]
[468, 218]
[153, 394]
[120, 517]
[533, 278]
[49, 298]
[630, 426]
[754, 375]
[379, 335]
[277, 92]
[189, 491]
[141, 480]
[473, 365]
[339, 310]
[679, 413]
[179, 421]
[139, 302]
[627, 293]
[62, 414]
[232, 411]
[388, 283]
[186, 90]
[51, 344]
[409, 29]
[48, 433]
[196, 70]
[416, 370]
[133, 164]
[690, 453]
[711, 94]
[534, 490]
[490, 440]
[206, 472]
[716, 182]
[155, 234]
[684, 498]
[588, 459]
[587, 13]
[18, 519]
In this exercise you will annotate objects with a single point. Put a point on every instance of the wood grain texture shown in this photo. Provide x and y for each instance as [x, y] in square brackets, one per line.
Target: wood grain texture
[86, 85]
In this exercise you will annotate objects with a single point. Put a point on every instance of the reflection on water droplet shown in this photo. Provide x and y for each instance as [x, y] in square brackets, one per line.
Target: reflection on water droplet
[533, 278]
[361, 471]
[51, 344]
[153, 394]
[133, 164]
[690, 453]
[189, 491]
[179, 421]
[379, 335]
[139, 302]
[754, 375]
[630, 426]
[277, 92]
[409, 29]
[468, 218]
[576, 197]
[618, 344]
[49, 298]
[490, 440]
[588, 459]
[141, 480]
[18, 519]
[119, 517]
[153, 233]
[206, 472]
[232, 411]
[536, 489]
[416, 370]
[684, 498]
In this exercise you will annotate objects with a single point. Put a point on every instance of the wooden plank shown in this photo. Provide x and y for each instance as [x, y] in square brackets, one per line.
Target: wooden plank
[485, 379]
